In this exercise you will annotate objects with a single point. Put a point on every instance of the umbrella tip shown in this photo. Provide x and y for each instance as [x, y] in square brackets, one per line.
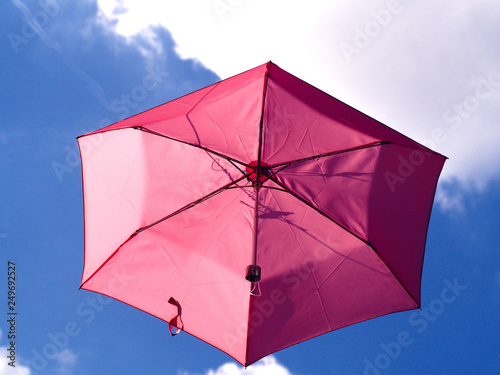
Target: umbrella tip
[268, 66]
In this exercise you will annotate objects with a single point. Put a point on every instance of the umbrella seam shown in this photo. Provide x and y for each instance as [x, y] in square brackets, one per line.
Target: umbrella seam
[324, 310]
[175, 265]
[131, 169]
[294, 234]
[284, 141]
[212, 129]
[284, 218]
[335, 268]
[395, 277]
[212, 242]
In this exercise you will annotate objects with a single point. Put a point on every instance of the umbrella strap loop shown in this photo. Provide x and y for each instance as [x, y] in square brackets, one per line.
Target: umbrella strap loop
[256, 289]
[174, 322]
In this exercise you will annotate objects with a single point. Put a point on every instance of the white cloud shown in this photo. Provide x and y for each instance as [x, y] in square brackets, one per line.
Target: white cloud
[266, 366]
[419, 67]
[450, 200]
[66, 360]
[5, 369]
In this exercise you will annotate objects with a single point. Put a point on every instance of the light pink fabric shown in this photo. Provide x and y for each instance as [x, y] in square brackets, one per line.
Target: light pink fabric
[342, 213]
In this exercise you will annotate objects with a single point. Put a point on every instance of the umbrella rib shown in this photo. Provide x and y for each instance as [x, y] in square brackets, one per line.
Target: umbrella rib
[190, 205]
[289, 163]
[261, 127]
[303, 200]
[103, 263]
[310, 205]
[228, 158]
[186, 207]
[368, 145]
[234, 165]
[274, 188]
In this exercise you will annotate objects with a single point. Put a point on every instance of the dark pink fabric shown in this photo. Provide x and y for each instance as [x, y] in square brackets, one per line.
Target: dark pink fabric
[343, 209]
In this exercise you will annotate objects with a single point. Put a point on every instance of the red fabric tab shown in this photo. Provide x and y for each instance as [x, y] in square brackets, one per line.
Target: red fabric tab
[174, 322]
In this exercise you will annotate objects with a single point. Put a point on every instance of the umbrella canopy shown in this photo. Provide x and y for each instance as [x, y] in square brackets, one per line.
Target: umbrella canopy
[256, 213]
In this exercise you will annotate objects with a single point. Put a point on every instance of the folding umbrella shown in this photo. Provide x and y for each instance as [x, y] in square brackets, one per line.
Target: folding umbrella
[256, 213]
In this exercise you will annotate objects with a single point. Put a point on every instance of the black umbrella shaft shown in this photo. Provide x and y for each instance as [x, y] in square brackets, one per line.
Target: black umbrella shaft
[255, 225]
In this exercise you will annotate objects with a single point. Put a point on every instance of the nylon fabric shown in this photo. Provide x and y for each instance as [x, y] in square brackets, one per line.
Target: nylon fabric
[343, 209]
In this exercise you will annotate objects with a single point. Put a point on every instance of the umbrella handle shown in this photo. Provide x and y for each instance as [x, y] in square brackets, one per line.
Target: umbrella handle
[174, 322]
[254, 275]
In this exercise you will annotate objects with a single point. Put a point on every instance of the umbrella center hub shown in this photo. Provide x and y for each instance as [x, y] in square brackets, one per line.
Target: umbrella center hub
[253, 169]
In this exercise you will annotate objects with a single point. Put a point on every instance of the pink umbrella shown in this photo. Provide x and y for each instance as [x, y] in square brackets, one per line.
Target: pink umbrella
[256, 213]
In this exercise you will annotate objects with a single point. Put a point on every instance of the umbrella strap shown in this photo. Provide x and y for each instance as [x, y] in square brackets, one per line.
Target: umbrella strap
[256, 289]
[174, 322]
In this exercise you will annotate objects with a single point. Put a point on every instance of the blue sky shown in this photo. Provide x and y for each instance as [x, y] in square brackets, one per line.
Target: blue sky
[91, 63]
